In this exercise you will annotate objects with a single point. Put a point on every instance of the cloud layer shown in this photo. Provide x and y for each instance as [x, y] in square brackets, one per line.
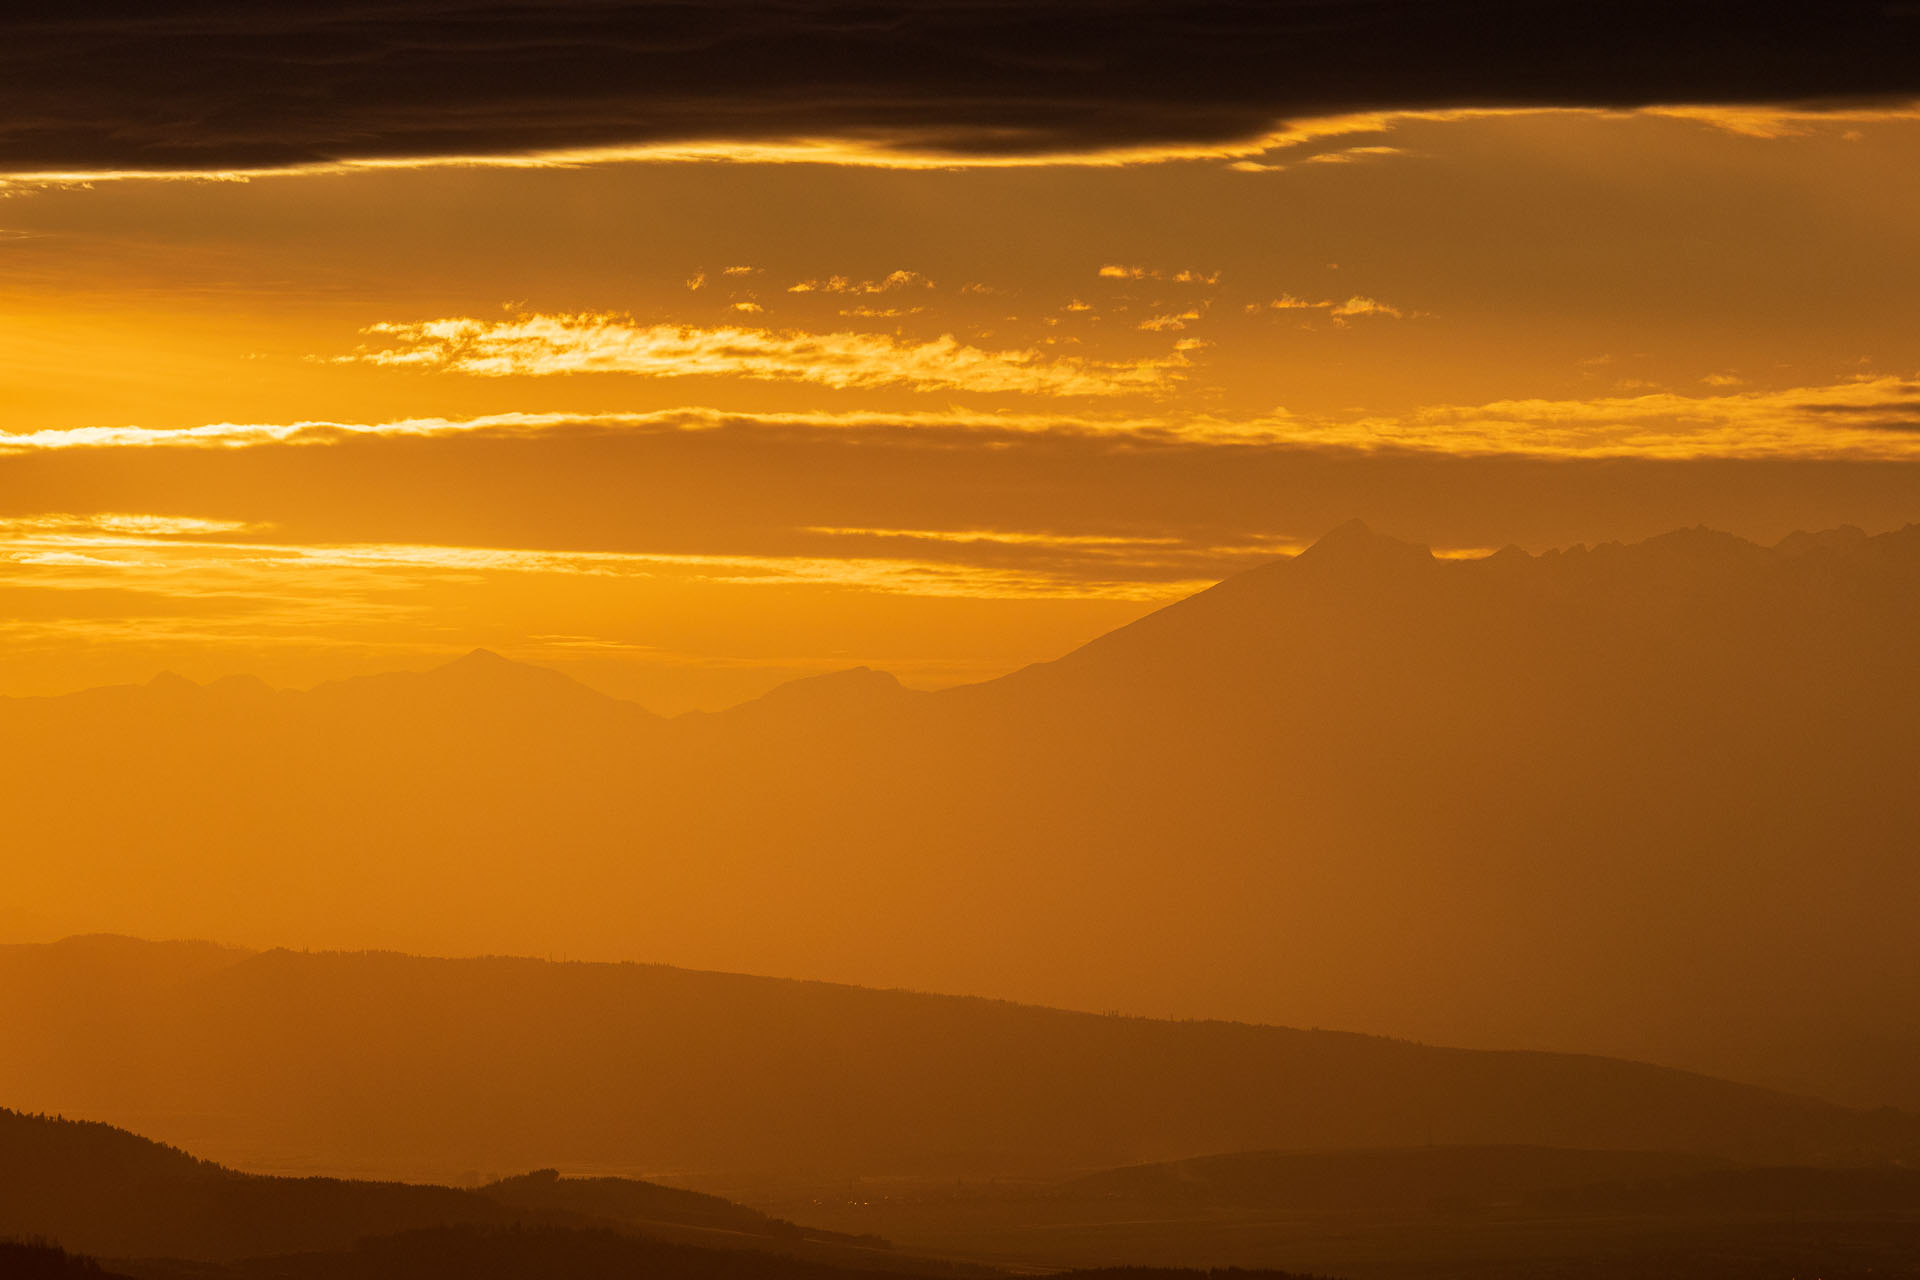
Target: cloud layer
[230, 85]
[1862, 419]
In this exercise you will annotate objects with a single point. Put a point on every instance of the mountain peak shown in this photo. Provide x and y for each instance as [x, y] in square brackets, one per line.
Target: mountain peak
[240, 686]
[834, 686]
[1355, 541]
[484, 665]
[1701, 545]
[1838, 541]
[477, 680]
[851, 690]
[479, 660]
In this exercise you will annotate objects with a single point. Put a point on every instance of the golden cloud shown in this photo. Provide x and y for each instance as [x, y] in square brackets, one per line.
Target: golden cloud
[903, 151]
[1869, 418]
[1357, 305]
[86, 553]
[886, 284]
[540, 345]
[1865, 418]
[1122, 271]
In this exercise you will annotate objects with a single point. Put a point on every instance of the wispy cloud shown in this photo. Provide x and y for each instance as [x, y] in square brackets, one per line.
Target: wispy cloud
[1354, 155]
[1341, 311]
[1865, 418]
[63, 552]
[244, 435]
[874, 148]
[103, 525]
[541, 345]
[1783, 121]
[1186, 275]
[1172, 322]
[880, 313]
[1344, 155]
[888, 283]
[1359, 305]
[1285, 302]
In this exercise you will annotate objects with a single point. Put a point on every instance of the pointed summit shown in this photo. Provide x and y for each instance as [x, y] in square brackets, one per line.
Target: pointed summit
[1355, 529]
[479, 660]
[485, 669]
[171, 682]
[479, 682]
[1354, 542]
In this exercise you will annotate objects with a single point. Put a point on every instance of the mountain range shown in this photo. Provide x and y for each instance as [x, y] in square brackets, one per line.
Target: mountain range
[1651, 800]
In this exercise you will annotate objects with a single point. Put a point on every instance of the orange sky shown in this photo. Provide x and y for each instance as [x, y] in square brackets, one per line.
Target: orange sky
[687, 426]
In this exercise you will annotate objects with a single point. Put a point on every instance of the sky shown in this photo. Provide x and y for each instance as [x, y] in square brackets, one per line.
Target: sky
[927, 378]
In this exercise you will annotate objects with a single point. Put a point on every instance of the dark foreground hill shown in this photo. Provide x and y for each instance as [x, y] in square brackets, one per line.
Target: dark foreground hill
[102, 1190]
[157, 1213]
[36, 1260]
[548, 1253]
[70, 1188]
[406, 1065]
[1463, 1213]
[1654, 801]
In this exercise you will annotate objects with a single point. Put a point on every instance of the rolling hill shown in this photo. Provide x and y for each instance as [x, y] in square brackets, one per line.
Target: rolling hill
[400, 1065]
[96, 1189]
[69, 1189]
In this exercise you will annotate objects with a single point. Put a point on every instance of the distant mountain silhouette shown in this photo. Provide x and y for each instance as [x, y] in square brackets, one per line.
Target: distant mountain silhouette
[1377, 1179]
[1652, 800]
[420, 1067]
[481, 682]
[836, 695]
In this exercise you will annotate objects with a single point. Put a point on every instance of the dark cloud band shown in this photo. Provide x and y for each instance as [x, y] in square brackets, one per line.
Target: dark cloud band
[224, 84]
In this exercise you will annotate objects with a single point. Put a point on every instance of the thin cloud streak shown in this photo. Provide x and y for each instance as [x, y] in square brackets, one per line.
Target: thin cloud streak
[1266, 150]
[1865, 418]
[1862, 419]
[61, 551]
[544, 345]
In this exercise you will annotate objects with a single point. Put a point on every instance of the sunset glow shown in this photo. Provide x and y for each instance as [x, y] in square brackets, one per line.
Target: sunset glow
[960, 640]
[1435, 289]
